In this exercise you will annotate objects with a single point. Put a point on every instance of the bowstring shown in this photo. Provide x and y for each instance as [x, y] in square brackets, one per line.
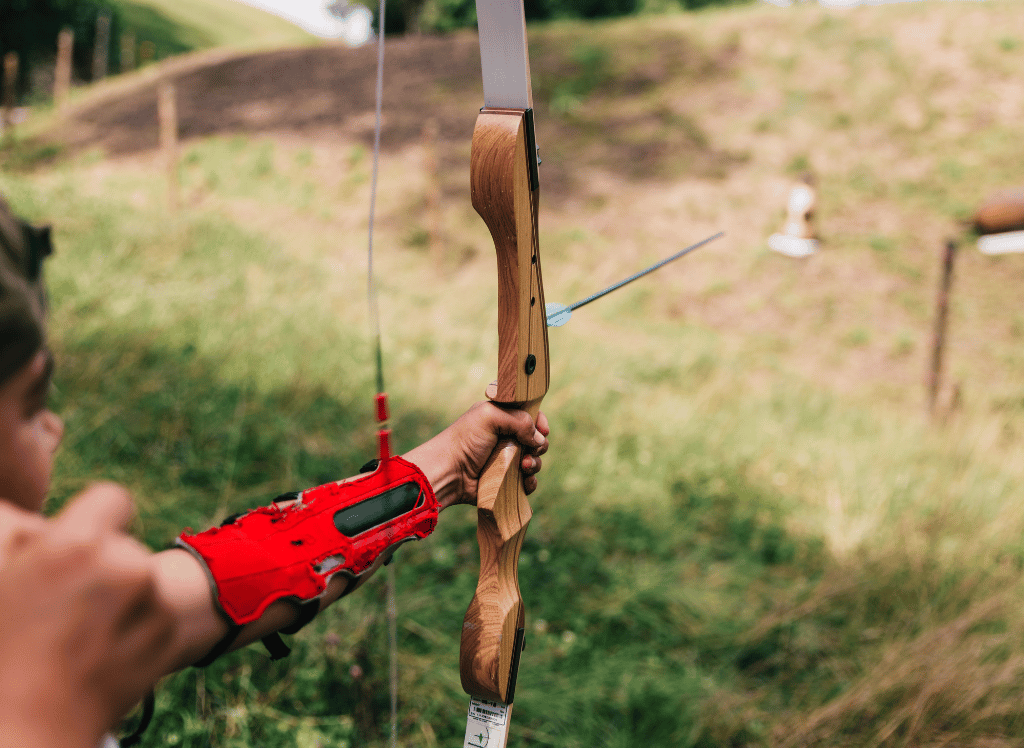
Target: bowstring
[370, 277]
[389, 585]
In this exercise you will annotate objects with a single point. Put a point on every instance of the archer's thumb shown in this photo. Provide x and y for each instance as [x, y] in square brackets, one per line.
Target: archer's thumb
[519, 423]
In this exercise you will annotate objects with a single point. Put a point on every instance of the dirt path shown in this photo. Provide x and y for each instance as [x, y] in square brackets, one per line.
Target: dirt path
[318, 92]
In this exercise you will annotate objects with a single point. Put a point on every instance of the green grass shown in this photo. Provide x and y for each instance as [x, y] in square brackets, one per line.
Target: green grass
[733, 544]
[176, 26]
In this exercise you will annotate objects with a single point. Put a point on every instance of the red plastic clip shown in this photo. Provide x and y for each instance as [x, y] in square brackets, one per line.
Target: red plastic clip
[384, 434]
[384, 438]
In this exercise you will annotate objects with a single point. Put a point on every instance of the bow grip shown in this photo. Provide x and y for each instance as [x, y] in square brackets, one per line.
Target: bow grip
[492, 632]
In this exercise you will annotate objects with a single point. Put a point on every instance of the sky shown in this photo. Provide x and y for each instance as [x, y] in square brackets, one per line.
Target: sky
[312, 15]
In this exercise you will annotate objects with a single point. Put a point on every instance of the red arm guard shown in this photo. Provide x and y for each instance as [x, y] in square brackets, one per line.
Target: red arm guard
[273, 553]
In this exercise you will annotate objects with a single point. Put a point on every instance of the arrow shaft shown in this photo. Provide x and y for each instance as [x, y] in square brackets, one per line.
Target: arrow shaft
[646, 271]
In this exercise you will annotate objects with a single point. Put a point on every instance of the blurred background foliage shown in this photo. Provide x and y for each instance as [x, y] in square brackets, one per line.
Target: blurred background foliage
[448, 15]
[158, 29]
[30, 27]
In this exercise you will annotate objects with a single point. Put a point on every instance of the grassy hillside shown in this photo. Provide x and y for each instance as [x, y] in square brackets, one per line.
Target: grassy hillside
[188, 25]
[748, 532]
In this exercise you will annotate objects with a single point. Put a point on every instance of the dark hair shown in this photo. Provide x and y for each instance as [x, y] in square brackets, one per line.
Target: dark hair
[22, 296]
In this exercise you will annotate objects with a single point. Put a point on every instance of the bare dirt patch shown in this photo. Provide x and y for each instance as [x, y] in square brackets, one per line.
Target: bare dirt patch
[315, 92]
[327, 93]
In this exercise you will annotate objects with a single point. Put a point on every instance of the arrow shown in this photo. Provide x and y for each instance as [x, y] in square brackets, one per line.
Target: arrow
[558, 314]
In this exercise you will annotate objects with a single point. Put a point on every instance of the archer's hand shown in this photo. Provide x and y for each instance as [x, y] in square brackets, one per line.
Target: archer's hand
[83, 636]
[453, 459]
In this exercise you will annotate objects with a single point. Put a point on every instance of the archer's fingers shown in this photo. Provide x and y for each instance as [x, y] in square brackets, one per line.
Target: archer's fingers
[519, 424]
[542, 424]
[543, 428]
[529, 484]
[530, 465]
[100, 508]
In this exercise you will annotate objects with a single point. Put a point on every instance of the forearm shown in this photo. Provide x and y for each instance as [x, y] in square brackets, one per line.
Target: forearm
[449, 462]
[183, 586]
[435, 459]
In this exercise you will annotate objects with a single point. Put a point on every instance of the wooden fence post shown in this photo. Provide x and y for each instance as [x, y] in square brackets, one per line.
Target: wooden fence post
[941, 323]
[147, 53]
[101, 50]
[127, 52]
[62, 74]
[10, 95]
[167, 109]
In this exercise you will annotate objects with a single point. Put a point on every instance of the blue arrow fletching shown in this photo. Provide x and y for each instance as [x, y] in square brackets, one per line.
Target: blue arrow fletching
[557, 314]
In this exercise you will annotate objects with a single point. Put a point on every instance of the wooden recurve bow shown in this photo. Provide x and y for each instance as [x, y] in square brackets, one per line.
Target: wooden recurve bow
[505, 190]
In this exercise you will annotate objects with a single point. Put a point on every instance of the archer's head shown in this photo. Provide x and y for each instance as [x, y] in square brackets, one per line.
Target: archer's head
[29, 431]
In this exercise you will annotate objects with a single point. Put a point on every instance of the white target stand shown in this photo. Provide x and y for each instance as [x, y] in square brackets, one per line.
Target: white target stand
[797, 238]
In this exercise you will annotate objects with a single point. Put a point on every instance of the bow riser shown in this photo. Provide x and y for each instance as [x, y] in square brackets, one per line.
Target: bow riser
[505, 195]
